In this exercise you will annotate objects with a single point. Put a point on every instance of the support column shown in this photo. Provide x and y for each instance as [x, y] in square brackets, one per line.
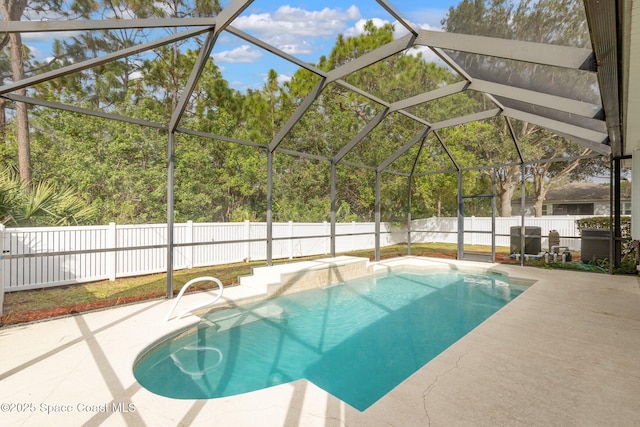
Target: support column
[460, 217]
[377, 213]
[635, 197]
[170, 211]
[409, 181]
[617, 211]
[523, 200]
[269, 207]
[1, 273]
[334, 208]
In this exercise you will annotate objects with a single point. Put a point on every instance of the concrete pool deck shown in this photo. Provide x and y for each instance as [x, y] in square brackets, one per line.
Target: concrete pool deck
[564, 353]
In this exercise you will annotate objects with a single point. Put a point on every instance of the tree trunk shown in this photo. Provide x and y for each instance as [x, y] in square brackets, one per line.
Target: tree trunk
[22, 116]
[12, 11]
[537, 206]
[505, 200]
[507, 180]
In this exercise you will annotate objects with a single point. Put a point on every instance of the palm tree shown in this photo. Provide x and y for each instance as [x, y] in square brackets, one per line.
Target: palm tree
[39, 203]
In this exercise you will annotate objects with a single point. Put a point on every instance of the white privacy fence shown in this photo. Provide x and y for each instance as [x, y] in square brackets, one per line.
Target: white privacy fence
[445, 229]
[52, 256]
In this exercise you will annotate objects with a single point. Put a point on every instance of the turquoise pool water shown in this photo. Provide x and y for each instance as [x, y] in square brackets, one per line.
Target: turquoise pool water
[356, 340]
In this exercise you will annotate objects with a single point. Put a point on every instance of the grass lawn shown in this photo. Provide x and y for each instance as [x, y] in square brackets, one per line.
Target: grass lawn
[37, 304]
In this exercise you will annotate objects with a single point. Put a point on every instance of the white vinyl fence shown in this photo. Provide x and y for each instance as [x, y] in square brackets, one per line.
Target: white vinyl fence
[52, 256]
[431, 230]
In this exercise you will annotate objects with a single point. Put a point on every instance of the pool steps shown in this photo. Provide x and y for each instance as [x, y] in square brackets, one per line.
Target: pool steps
[299, 276]
[234, 317]
[281, 279]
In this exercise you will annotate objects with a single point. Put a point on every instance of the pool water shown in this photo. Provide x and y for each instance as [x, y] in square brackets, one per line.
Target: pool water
[356, 340]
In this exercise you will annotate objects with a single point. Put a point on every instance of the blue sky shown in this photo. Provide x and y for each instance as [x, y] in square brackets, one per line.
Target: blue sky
[304, 29]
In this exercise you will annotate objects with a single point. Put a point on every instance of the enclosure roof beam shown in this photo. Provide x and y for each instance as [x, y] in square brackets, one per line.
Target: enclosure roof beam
[85, 111]
[596, 139]
[420, 136]
[381, 102]
[601, 149]
[414, 117]
[90, 63]
[530, 162]
[372, 57]
[303, 154]
[196, 71]
[396, 14]
[361, 135]
[417, 158]
[429, 96]
[105, 24]
[223, 20]
[602, 19]
[537, 53]
[446, 150]
[559, 103]
[362, 93]
[512, 132]
[220, 138]
[451, 63]
[438, 172]
[269, 48]
[482, 115]
[358, 165]
[297, 115]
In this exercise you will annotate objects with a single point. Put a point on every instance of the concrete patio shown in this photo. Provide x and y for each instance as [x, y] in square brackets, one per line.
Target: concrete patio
[563, 353]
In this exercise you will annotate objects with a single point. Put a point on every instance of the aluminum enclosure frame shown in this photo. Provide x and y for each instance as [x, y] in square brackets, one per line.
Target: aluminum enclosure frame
[604, 60]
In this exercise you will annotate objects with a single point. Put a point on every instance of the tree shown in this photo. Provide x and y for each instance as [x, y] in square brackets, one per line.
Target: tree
[12, 10]
[339, 114]
[544, 21]
[43, 204]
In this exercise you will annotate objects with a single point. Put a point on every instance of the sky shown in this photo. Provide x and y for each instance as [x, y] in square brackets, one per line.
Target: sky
[306, 29]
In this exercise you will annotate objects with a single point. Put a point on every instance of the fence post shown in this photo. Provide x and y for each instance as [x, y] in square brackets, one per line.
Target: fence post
[112, 269]
[247, 236]
[328, 240]
[1, 270]
[290, 239]
[353, 237]
[473, 228]
[191, 248]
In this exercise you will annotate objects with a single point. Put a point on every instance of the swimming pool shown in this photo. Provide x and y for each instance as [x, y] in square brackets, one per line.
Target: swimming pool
[356, 340]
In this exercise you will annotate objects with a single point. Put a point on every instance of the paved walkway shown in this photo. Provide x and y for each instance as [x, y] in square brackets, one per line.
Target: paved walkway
[563, 353]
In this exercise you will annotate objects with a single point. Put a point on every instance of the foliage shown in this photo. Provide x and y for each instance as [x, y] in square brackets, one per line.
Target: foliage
[543, 21]
[604, 222]
[121, 169]
[40, 204]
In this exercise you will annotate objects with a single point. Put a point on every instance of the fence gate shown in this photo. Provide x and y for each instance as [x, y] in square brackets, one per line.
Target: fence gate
[469, 237]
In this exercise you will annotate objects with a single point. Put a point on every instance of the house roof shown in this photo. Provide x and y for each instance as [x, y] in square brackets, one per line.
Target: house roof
[579, 191]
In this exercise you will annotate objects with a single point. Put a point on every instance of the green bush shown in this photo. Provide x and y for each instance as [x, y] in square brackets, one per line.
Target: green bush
[605, 222]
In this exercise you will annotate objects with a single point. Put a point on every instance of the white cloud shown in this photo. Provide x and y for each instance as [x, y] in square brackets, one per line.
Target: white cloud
[244, 54]
[283, 78]
[297, 21]
[427, 55]
[293, 48]
[358, 27]
[293, 30]
[399, 30]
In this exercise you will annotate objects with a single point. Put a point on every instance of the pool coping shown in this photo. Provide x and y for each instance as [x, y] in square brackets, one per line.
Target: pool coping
[562, 353]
